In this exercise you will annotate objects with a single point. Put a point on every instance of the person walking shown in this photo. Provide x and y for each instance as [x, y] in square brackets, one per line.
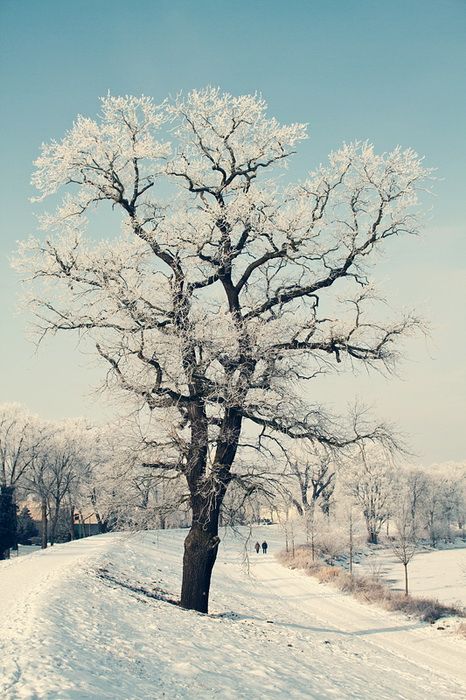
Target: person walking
[264, 547]
[257, 547]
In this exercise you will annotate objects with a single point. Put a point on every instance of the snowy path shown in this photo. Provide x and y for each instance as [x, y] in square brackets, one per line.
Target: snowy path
[369, 630]
[26, 585]
[67, 633]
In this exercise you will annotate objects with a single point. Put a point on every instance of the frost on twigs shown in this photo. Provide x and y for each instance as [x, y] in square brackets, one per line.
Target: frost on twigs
[225, 290]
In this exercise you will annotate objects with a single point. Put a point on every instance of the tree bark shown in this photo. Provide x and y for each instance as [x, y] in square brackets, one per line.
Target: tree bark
[71, 522]
[44, 524]
[54, 523]
[406, 578]
[200, 553]
[207, 494]
[351, 544]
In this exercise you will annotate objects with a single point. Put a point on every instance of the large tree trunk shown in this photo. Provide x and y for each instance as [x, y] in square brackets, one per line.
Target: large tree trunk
[200, 553]
[372, 534]
[207, 494]
[71, 521]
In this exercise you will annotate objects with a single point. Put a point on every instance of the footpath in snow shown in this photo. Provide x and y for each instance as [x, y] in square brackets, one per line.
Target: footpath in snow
[71, 628]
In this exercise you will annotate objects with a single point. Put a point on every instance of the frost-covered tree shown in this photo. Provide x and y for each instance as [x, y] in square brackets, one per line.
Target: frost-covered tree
[459, 498]
[444, 503]
[20, 437]
[72, 450]
[413, 493]
[347, 515]
[313, 470]
[439, 505]
[405, 542]
[226, 289]
[370, 480]
[40, 484]
[122, 489]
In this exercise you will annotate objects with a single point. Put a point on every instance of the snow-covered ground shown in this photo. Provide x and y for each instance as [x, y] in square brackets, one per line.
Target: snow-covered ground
[433, 573]
[70, 628]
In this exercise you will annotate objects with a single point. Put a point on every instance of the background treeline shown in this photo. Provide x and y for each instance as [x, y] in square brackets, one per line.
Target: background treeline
[60, 480]
[66, 479]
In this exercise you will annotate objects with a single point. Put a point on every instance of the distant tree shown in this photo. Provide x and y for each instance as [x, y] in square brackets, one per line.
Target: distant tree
[212, 308]
[7, 520]
[40, 480]
[20, 437]
[26, 526]
[405, 542]
[445, 501]
[371, 482]
[437, 507]
[459, 500]
[347, 514]
[313, 470]
[71, 452]
[413, 492]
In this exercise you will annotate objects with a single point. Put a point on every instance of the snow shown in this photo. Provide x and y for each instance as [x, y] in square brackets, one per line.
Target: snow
[435, 573]
[70, 630]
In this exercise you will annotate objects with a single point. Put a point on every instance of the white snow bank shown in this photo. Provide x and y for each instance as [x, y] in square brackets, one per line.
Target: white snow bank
[68, 629]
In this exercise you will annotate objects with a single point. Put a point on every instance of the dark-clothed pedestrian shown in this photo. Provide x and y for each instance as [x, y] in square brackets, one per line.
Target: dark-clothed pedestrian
[264, 547]
[257, 547]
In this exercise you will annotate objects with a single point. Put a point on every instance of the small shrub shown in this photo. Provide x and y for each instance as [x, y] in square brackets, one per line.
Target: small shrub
[426, 609]
[302, 558]
[327, 574]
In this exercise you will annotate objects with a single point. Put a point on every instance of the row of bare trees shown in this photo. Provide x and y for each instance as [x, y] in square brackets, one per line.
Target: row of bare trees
[337, 501]
[70, 471]
[44, 461]
[330, 496]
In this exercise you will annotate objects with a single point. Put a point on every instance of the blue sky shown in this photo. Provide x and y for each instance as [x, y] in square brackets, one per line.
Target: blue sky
[391, 72]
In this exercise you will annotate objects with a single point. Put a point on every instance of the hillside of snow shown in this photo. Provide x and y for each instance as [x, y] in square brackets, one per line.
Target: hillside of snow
[90, 620]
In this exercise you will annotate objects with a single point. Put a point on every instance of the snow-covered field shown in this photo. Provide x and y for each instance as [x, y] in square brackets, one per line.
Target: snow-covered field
[433, 573]
[70, 628]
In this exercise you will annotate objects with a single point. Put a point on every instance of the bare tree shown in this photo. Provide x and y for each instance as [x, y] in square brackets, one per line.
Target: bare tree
[438, 506]
[371, 482]
[414, 492]
[405, 543]
[40, 484]
[71, 452]
[347, 514]
[313, 470]
[221, 299]
[20, 437]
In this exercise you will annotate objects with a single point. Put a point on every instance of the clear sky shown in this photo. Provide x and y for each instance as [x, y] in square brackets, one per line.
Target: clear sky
[391, 71]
